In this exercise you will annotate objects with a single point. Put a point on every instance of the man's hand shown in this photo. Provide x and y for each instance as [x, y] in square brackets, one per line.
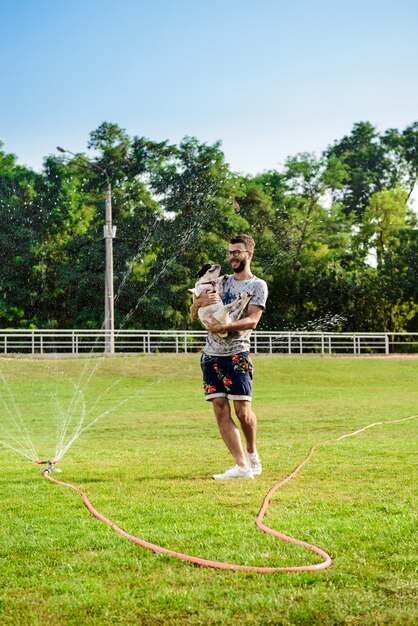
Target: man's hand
[205, 299]
[215, 327]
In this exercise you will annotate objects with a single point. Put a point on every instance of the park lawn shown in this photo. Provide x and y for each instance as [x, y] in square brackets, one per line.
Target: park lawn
[147, 465]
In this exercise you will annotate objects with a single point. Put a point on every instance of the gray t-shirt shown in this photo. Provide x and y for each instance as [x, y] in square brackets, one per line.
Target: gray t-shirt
[239, 341]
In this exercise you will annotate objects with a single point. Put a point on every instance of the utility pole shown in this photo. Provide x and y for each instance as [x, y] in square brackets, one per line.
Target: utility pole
[109, 233]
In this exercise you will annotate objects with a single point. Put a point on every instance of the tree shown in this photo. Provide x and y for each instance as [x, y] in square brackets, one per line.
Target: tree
[301, 227]
[18, 238]
[127, 163]
[402, 150]
[367, 165]
[197, 191]
[315, 224]
[384, 217]
[399, 272]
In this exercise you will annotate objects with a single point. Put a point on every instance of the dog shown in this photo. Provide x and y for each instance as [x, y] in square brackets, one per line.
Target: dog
[209, 280]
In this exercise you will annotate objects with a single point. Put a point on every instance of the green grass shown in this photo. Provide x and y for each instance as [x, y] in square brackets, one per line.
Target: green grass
[147, 465]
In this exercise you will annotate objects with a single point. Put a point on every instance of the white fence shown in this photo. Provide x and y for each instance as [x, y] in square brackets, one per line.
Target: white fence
[80, 341]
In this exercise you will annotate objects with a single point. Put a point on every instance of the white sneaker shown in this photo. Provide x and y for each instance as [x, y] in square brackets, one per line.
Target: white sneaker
[254, 462]
[234, 472]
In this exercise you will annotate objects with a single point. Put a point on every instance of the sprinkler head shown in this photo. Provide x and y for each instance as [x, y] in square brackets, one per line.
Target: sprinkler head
[50, 466]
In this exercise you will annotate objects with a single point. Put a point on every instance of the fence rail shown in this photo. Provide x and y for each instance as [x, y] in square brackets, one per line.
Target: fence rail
[83, 341]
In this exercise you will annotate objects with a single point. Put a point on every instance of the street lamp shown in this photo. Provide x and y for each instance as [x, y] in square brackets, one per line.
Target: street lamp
[109, 233]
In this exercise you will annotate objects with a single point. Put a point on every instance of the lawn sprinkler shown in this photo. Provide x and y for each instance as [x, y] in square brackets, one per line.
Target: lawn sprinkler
[50, 466]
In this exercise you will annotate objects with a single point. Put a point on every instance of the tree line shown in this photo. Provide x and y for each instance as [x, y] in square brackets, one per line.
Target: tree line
[336, 237]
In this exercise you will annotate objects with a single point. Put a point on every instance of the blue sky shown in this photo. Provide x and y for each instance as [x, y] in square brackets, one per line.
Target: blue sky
[269, 78]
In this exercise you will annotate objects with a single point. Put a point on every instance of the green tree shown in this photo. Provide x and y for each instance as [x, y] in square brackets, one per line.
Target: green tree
[368, 166]
[127, 164]
[197, 191]
[19, 234]
[399, 272]
[384, 217]
[303, 235]
[315, 224]
[402, 151]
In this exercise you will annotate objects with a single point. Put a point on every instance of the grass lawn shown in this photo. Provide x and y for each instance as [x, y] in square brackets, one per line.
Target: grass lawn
[147, 464]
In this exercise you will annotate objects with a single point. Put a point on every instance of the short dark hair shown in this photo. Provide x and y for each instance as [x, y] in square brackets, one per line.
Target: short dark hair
[248, 241]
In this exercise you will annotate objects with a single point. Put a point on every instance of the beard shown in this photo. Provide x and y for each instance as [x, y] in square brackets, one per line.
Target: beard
[240, 267]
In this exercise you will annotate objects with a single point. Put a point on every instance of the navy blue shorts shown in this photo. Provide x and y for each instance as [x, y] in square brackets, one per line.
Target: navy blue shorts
[227, 376]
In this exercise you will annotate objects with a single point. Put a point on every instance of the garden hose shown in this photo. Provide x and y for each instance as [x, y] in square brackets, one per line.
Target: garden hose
[259, 521]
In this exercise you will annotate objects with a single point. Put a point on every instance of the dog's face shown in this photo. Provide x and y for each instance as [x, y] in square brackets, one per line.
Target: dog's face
[208, 273]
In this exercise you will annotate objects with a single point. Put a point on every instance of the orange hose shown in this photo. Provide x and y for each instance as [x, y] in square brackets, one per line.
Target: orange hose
[259, 521]
[217, 564]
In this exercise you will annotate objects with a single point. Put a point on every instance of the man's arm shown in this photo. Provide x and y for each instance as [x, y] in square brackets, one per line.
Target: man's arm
[246, 323]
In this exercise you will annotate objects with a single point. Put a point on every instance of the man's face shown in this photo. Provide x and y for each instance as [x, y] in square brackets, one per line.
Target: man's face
[238, 256]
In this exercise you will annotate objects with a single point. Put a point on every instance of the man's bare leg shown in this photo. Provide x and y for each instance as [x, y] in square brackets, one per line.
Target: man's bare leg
[229, 431]
[248, 421]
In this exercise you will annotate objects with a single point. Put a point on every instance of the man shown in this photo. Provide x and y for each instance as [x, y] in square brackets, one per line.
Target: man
[226, 362]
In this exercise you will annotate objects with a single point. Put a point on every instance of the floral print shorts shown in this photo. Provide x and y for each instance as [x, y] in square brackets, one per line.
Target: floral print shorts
[227, 376]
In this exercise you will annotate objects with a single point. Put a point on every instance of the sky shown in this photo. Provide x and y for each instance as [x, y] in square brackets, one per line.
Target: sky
[268, 78]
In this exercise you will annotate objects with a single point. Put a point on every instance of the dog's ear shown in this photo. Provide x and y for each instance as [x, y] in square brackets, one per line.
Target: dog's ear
[203, 271]
[193, 291]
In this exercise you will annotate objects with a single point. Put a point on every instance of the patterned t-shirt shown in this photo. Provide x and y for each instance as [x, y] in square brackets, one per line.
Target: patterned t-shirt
[238, 341]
